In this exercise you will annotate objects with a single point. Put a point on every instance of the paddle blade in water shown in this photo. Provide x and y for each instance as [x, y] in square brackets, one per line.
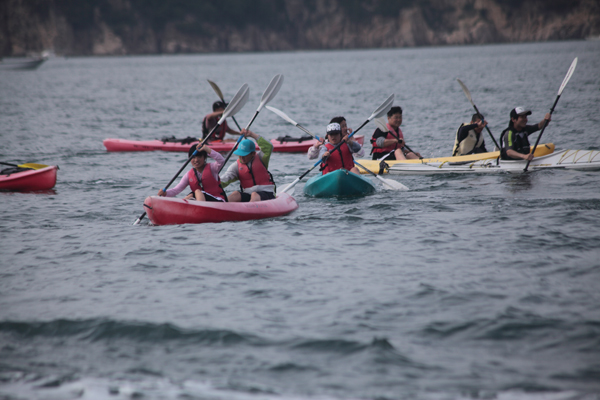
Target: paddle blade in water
[391, 184]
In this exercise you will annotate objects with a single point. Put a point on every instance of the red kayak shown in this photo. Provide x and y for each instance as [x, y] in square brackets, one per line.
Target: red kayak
[281, 145]
[172, 211]
[154, 145]
[29, 180]
[300, 145]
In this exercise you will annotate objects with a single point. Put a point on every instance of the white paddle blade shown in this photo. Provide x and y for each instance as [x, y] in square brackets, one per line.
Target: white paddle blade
[383, 108]
[237, 103]
[282, 115]
[392, 184]
[216, 89]
[271, 91]
[381, 124]
[464, 88]
[568, 76]
[290, 187]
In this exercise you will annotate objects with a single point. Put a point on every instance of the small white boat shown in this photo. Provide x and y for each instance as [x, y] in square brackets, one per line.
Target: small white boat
[588, 160]
[22, 64]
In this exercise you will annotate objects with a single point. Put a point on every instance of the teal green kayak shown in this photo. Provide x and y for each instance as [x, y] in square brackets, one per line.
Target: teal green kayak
[338, 183]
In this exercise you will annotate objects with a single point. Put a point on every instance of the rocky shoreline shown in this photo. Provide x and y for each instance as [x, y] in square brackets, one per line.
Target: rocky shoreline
[122, 27]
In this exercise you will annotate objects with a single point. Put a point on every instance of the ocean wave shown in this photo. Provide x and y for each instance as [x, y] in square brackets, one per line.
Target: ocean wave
[104, 329]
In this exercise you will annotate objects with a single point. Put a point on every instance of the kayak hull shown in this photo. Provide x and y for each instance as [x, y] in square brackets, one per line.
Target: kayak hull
[30, 181]
[373, 165]
[172, 211]
[302, 147]
[587, 160]
[338, 183]
[116, 145]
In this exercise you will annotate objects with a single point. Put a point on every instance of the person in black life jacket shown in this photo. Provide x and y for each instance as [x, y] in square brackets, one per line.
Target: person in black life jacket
[514, 139]
[210, 120]
[469, 139]
[391, 141]
[203, 178]
[256, 182]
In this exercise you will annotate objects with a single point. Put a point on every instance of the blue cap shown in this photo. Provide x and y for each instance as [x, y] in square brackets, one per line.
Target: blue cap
[246, 147]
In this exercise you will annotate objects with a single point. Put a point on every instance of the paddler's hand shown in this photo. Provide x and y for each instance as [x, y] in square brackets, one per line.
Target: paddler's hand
[206, 149]
[482, 124]
[545, 121]
[162, 193]
[247, 132]
[528, 157]
[325, 156]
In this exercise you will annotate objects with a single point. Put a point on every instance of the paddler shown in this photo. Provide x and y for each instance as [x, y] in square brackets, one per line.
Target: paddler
[210, 120]
[355, 147]
[468, 139]
[203, 178]
[342, 156]
[514, 139]
[256, 182]
[392, 141]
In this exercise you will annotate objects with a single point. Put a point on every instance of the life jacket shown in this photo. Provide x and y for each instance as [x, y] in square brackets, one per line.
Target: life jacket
[208, 124]
[341, 158]
[390, 135]
[255, 174]
[468, 144]
[207, 183]
[518, 141]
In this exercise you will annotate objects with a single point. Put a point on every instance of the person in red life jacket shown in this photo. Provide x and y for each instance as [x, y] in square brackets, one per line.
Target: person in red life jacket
[203, 178]
[316, 151]
[256, 182]
[391, 141]
[210, 120]
[340, 157]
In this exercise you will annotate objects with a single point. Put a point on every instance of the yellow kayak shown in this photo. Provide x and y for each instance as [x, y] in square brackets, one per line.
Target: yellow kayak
[373, 165]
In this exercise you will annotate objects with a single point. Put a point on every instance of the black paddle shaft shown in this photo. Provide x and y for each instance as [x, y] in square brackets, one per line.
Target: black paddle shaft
[541, 133]
[486, 128]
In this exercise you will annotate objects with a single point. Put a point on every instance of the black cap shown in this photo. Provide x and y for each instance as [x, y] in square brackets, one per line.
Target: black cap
[219, 104]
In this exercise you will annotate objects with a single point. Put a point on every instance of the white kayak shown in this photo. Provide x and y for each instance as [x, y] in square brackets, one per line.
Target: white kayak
[588, 160]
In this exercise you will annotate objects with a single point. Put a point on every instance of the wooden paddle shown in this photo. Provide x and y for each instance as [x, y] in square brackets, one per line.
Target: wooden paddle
[220, 95]
[381, 110]
[560, 90]
[388, 182]
[468, 94]
[237, 103]
[268, 95]
[27, 165]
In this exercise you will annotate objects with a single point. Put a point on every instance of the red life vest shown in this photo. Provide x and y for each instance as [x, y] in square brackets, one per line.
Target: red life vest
[207, 183]
[392, 147]
[256, 174]
[341, 158]
[208, 124]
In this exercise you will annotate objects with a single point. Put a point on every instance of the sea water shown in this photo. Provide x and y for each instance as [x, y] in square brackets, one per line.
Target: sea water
[463, 287]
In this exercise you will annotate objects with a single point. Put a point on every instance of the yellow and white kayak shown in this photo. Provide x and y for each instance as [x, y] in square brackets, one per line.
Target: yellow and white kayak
[584, 160]
[373, 165]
